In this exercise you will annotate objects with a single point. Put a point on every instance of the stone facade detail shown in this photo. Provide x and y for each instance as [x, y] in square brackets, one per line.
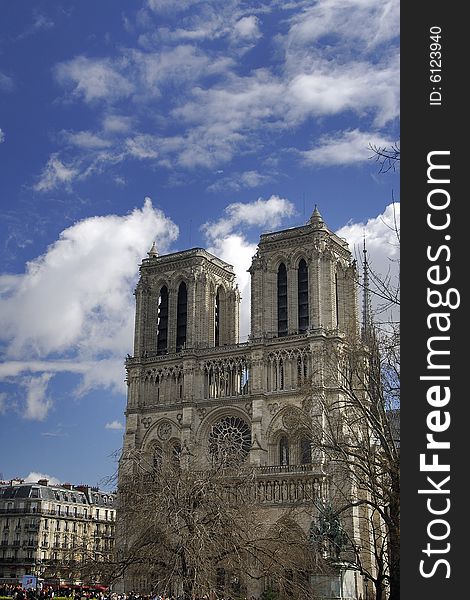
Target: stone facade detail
[215, 384]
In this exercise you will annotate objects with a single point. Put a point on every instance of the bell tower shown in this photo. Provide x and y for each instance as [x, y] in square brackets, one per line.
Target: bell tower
[185, 300]
[302, 281]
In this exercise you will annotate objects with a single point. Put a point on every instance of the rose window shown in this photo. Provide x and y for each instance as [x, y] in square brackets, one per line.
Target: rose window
[230, 441]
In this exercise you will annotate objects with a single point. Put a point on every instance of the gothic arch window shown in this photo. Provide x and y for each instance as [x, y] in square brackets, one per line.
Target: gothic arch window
[305, 451]
[162, 321]
[229, 441]
[181, 316]
[157, 457]
[302, 289]
[302, 369]
[217, 318]
[284, 450]
[336, 299]
[282, 300]
[175, 454]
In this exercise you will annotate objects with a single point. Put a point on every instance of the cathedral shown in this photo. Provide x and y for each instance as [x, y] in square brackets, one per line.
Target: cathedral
[195, 391]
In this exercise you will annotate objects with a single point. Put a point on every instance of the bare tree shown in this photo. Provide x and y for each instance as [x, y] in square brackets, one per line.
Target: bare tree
[359, 438]
[387, 156]
[202, 532]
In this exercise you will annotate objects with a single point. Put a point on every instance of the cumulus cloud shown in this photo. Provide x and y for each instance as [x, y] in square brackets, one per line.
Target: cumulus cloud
[382, 250]
[115, 425]
[35, 476]
[344, 148]
[235, 249]
[75, 301]
[260, 213]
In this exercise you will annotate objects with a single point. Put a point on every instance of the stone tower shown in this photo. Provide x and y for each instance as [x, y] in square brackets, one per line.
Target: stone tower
[191, 385]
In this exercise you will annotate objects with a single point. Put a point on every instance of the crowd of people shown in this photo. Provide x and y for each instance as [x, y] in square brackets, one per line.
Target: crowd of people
[17, 592]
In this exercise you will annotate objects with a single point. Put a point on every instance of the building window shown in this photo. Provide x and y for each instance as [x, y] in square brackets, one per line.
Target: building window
[229, 441]
[175, 454]
[181, 316]
[302, 289]
[336, 299]
[305, 451]
[284, 450]
[162, 321]
[282, 300]
[157, 458]
[217, 318]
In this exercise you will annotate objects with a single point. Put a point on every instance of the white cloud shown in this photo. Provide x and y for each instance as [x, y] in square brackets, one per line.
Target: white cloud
[94, 79]
[6, 83]
[227, 239]
[365, 21]
[171, 5]
[40, 23]
[2, 136]
[142, 147]
[235, 249]
[116, 425]
[344, 148]
[117, 123]
[182, 64]
[35, 476]
[247, 28]
[76, 300]
[383, 252]
[54, 174]
[86, 140]
[260, 213]
[76, 295]
[332, 88]
[37, 403]
[238, 181]
[335, 56]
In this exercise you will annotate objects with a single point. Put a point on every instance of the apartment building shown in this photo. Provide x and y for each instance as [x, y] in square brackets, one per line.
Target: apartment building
[54, 531]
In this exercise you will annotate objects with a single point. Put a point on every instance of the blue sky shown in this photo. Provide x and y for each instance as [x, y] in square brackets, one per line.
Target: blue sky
[192, 123]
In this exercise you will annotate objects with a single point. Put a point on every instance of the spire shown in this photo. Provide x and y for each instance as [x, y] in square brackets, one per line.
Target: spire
[316, 219]
[366, 305]
[152, 253]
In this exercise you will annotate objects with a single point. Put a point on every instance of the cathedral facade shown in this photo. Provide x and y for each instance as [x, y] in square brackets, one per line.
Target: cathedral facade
[195, 392]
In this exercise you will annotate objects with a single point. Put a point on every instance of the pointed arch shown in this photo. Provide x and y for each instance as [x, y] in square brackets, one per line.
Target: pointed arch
[282, 300]
[162, 321]
[302, 296]
[283, 450]
[181, 316]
